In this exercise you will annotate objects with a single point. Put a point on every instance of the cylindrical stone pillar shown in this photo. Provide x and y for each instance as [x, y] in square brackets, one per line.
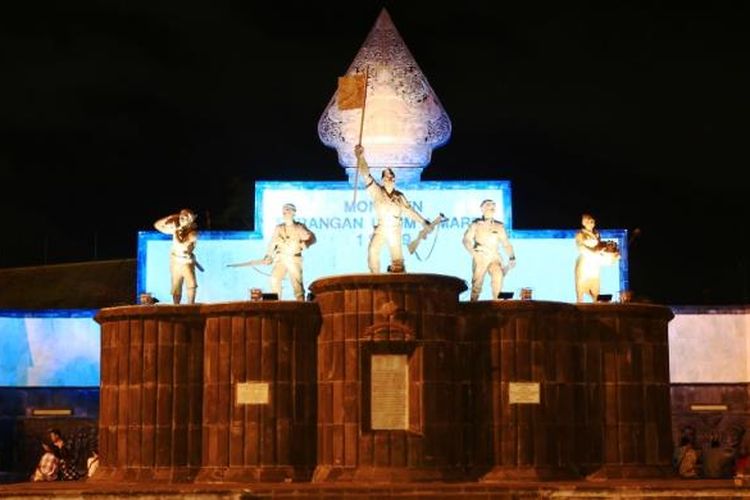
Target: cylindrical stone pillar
[528, 395]
[633, 364]
[390, 403]
[259, 391]
[151, 393]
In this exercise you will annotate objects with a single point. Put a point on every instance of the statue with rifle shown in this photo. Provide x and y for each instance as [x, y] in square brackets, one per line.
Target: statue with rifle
[391, 206]
[284, 252]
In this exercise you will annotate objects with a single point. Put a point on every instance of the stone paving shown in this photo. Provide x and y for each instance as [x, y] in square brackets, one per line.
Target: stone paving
[614, 489]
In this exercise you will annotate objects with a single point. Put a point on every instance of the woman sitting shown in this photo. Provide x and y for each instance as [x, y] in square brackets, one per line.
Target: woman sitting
[49, 464]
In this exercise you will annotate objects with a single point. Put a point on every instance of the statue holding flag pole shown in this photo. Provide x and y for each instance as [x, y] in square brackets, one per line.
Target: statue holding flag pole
[390, 206]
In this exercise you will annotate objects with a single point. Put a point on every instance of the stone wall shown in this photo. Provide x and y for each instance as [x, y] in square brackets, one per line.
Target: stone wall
[385, 378]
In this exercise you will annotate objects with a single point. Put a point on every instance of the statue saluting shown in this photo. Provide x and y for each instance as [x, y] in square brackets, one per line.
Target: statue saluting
[182, 262]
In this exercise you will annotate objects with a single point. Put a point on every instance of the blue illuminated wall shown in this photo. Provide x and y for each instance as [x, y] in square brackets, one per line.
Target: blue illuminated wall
[546, 258]
[49, 348]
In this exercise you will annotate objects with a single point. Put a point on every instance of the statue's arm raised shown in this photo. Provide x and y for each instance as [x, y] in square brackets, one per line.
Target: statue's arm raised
[362, 166]
[168, 224]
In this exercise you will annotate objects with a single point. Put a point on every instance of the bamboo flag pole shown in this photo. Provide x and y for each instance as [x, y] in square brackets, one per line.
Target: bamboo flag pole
[361, 129]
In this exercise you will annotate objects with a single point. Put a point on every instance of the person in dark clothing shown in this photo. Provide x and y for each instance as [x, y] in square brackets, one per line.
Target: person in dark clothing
[68, 471]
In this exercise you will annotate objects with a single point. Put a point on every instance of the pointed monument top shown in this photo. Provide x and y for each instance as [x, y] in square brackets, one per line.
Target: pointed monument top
[404, 119]
[384, 21]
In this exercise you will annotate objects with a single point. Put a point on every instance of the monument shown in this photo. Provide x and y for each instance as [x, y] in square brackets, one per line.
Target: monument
[384, 376]
[403, 121]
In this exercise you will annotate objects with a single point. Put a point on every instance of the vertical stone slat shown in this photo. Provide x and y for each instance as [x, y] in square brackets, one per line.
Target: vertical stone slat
[150, 384]
[108, 397]
[195, 378]
[283, 382]
[225, 392]
[252, 412]
[135, 394]
[122, 343]
[237, 374]
[268, 375]
[210, 440]
[180, 388]
[164, 393]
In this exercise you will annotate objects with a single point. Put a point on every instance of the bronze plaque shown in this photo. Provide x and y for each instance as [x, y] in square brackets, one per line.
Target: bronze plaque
[523, 393]
[389, 391]
[252, 393]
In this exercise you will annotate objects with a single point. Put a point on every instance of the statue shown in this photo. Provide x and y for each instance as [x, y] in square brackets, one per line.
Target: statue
[390, 206]
[593, 253]
[182, 262]
[482, 240]
[288, 241]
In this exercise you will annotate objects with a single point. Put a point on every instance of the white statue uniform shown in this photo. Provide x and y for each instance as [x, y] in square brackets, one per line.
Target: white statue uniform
[389, 208]
[181, 258]
[182, 262]
[588, 264]
[482, 239]
[285, 248]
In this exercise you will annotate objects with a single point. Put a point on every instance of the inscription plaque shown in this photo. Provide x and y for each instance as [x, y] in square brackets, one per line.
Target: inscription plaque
[252, 393]
[389, 392]
[523, 393]
[705, 407]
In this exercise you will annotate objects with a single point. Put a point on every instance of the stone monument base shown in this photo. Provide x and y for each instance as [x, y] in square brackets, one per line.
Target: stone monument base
[384, 378]
[672, 489]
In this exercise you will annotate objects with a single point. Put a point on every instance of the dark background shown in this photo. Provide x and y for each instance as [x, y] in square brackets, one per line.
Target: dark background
[115, 113]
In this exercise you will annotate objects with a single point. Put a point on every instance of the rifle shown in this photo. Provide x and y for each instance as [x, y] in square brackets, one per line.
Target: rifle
[254, 262]
[424, 232]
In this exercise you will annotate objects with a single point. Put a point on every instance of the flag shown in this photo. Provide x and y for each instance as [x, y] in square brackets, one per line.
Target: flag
[351, 92]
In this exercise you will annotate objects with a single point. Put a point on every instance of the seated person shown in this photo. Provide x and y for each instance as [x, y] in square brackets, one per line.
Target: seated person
[68, 471]
[48, 465]
[92, 463]
[685, 459]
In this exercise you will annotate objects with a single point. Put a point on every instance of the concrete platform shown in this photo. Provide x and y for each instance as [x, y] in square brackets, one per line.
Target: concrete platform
[618, 489]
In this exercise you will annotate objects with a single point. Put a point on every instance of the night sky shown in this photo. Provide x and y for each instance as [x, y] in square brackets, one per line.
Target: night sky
[115, 113]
